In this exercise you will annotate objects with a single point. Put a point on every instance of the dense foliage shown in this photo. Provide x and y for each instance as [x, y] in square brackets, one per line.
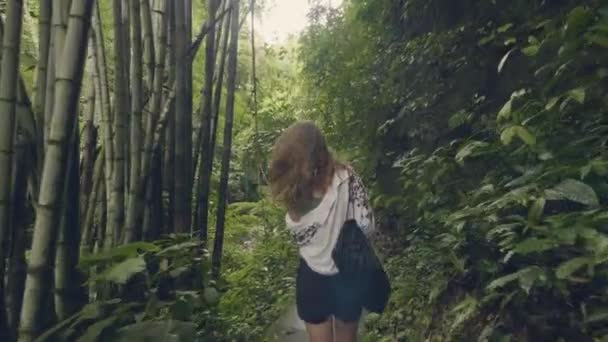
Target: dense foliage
[487, 124]
[479, 125]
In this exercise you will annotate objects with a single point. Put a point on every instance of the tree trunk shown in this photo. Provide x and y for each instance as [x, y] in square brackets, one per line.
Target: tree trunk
[136, 194]
[103, 94]
[217, 97]
[86, 243]
[154, 112]
[183, 125]
[89, 137]
[153, 215]
[68, 292]
[117, 204]
[18, 242]
[44, 33]
[58, 32]
[207, 99]
[148, 44]
[169, 152]
[69, 79]
[8, 96]
[223, 189]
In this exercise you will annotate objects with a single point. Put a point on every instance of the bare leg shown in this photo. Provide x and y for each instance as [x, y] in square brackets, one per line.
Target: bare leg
[346, 331]
[321, 332]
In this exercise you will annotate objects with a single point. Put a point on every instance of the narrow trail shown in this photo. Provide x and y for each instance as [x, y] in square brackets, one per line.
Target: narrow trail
[290, 328]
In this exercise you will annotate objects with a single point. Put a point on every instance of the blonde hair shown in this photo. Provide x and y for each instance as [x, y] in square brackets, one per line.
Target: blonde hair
[301, 165]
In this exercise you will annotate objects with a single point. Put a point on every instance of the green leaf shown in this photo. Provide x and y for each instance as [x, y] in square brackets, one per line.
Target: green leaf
[469, 150]
[566, 269]
[123, 271]
[578, 19]
[96, 330]
[585, 171]
[503, 61]
[505, 112]
[521, 132]
[504, 28]
[533, 40]
[536, 210]
[507, 136]
[578, 95]
[529, 275]
[598, 39]
[525, 135]
[510, 41]
[575, 191]
[531, 50]
[597, 316]
[534, 245]
[600, 167]
[552, 102]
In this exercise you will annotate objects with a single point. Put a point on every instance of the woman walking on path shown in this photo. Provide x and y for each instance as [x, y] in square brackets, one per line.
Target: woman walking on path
[322, 197]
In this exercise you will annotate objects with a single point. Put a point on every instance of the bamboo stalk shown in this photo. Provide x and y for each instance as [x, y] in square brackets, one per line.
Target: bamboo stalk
[135, 205]
[231, 82]
[8, 106]
[69, 79]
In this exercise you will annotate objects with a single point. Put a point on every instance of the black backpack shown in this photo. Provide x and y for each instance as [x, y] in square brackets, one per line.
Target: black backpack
[359, 265]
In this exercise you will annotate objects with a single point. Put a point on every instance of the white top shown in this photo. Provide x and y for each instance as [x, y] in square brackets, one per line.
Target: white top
[317, 231]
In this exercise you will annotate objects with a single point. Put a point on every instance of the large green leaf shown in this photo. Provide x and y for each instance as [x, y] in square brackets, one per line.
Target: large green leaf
[534, 245]
[469, 150]
[578, 19]
[598, 39]
[567, 268]
[122, 272]
[521, 132]
[575, 191]
[119, 252]
[95, 331]
[536, 210]
[531, 50]
[505, 111]
[527, 276]
[578, 95]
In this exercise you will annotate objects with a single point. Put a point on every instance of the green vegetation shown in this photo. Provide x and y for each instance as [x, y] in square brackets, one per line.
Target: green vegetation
[490, 119]
[480, 127]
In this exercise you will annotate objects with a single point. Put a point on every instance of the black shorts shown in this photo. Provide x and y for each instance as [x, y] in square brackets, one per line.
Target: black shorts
[319, 297]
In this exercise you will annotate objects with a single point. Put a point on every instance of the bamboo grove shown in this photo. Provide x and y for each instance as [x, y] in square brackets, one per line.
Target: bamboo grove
[102, 151]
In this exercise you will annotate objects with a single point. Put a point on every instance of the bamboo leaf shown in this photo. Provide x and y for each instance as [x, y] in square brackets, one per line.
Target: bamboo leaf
[598, 39]
[504, 59]
[567, 268]
[469, 150]
[505, 112]
[552, 102]
[536, 210]
[534, 245]
[521, 132]
[123, 271]
[531, 50]
[578, 95]
[575, 191]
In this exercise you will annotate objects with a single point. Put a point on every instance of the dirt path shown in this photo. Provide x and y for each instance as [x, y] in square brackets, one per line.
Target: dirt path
[290, 328]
